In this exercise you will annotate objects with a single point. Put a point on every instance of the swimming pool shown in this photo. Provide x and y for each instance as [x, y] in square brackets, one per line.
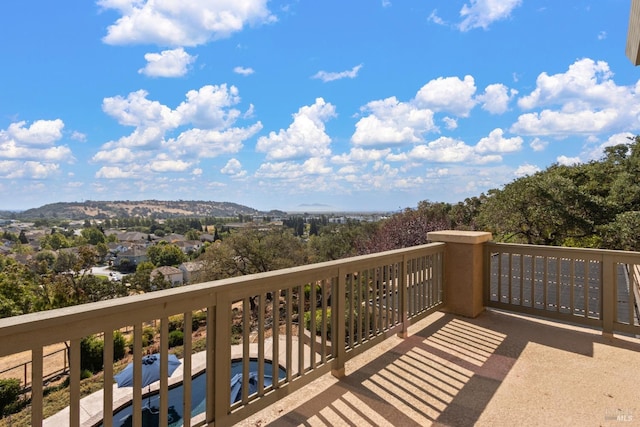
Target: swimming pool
[123, 416]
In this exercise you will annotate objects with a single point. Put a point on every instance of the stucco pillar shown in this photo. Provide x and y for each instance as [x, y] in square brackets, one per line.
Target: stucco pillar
[463, 270]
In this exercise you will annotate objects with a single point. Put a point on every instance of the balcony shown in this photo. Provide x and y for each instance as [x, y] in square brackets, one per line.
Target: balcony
[405, 334]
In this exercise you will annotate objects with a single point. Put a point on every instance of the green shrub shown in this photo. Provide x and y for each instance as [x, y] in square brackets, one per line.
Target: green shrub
[9, 392]
[176, 323]
[307, 322]
[148, 334]
[199, 319]
[176, 338]
[119, 345]
[91, 351]
[307, 291]
[356, 320]
[86, 373]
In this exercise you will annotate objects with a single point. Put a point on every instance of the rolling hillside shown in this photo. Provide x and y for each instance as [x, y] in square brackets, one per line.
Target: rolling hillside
[147, 208]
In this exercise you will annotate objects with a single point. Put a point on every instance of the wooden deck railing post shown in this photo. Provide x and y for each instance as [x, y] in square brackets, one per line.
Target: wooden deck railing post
[339, 325]
[608, 289]
[222, 359]
[463, 270]
[403, 295]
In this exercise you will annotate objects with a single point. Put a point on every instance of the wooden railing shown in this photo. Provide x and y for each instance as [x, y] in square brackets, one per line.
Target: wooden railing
[307, 320]
[598, 288]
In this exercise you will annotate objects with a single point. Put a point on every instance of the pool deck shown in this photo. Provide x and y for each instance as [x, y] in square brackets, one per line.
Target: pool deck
[91, 406]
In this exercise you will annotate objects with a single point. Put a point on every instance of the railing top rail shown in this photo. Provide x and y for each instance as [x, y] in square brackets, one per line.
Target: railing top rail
[46, 327]
[517, 247]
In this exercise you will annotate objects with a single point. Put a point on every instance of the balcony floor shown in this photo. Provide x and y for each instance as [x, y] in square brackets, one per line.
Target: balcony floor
[497, 369]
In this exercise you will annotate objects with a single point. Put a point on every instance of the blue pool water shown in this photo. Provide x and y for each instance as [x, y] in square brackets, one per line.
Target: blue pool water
[123, 417]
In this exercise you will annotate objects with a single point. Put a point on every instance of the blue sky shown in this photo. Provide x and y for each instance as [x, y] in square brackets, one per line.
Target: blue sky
[305, 105]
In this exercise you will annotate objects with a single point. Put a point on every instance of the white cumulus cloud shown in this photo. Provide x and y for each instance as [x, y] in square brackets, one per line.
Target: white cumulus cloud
[188, 23]
[245, 71]
[40, 131]
[449, 150]
[568, 161]
[496, 97]
[326, 76]
[305, 136]
[390, 121]
[31, 151]
[173, 140]
[526, 169]
[233, 168]
[497, 143]
[583, 100]
[483, 13]
[168, 63]
[137, 110]
[448, 94]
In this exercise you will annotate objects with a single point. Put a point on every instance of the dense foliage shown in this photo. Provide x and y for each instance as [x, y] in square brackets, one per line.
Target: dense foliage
[596, 204]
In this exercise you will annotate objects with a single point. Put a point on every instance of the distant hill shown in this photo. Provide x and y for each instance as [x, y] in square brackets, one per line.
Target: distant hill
[147, 208]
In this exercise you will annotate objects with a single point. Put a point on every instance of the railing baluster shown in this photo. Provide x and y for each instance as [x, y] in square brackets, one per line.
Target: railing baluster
[387, 295]
[186, 372]
[367, 302]
[558, 282]
[499, 295]
[137, 375]
[359, 308]
[261, 323]
[510, 281]
[338, 339]
[216, 406]
[313, 298]
[351, 308]
[403, 303]
[289, 337]
[301, 331]
[631, 298]
[74, 383]
[534, 274]
[424, 283]
[608, 295]
[413, 286]
[545, 282]
[521, 279]
[391, 301]
[164, 371]
[107, 382]
[323, 346]
[37, 386]
[246, 331]
[585, 288]
[275, 339]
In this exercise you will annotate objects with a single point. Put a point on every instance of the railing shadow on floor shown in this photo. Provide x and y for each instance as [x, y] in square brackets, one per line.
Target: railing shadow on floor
[449, 371]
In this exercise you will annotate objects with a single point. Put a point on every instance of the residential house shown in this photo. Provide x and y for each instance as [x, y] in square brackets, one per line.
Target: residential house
[192, 271]
[189, 246]
[172, 275]
[132, 257]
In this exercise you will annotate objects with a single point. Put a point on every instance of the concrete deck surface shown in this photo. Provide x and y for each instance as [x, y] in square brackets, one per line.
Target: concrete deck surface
[498, 369]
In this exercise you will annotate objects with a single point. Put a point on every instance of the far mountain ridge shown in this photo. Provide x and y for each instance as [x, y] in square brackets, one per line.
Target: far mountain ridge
[91, 209]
